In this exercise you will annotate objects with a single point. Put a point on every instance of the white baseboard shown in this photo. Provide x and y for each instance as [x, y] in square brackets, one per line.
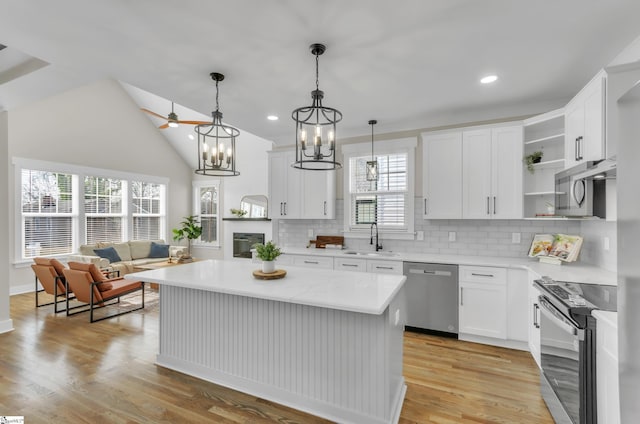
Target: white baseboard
[6, 326]
[23, 288]
[510, 344]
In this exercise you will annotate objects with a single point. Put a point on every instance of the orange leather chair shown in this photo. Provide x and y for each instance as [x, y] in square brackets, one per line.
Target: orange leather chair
[49, 272]
[91, 286]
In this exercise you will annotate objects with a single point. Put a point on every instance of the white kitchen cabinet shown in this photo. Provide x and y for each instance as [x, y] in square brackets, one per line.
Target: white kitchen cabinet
[482, 304]
[534, 320]
[384, 267]
[298, 194]
[585, 123]
[492, 173]
[285, 186]
[517, 301]
[608, 393]
[319, 195]
[350, 264]
[442, 175]
[311, 261]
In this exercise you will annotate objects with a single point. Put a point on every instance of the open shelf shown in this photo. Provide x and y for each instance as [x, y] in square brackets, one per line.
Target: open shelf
[246, 219]
[554, 138]
[544, 193]
[556, 163]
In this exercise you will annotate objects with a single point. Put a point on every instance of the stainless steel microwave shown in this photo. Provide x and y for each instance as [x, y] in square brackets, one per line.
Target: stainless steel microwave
[581, 190]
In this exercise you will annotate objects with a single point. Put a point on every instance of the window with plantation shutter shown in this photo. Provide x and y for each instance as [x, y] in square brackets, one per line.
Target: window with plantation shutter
[48, 216]
[206, 195]
[105, 215]
[387, 201]
[148, 210]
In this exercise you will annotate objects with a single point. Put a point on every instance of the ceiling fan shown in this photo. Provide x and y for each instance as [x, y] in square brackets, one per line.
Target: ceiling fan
[172, 119]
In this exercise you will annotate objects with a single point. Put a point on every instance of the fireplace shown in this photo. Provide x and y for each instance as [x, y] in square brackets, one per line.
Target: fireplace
[242, 243]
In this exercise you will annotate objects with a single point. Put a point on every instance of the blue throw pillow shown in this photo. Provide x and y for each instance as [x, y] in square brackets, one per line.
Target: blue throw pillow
[159, 250]
[108, 253]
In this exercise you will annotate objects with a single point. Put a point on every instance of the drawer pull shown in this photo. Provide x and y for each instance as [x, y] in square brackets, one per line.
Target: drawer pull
[311, 262]
[482, 275]
[384, 267]
[351, 265]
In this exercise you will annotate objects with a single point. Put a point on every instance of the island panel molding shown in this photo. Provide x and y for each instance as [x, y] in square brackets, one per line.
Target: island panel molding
[330, 359]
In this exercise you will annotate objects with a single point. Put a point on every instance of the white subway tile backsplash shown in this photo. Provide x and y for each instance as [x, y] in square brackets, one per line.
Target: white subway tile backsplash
[473, 237]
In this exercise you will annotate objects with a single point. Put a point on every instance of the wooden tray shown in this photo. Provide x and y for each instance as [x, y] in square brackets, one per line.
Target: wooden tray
[278, 273]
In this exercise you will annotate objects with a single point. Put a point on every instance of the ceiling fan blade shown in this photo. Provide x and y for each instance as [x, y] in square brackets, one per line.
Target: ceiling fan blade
[163, 126]
[193, 122]
[153, 113]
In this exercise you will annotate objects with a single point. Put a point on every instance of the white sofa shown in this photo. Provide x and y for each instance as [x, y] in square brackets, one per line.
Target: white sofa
[132, 253]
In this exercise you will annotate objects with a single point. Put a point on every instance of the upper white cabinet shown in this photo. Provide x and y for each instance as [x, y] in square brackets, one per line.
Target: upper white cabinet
[319, 194]
[492, 173]
[585, 123]
[285, 186]
[442, 175]
[298, 194]
[543, 133]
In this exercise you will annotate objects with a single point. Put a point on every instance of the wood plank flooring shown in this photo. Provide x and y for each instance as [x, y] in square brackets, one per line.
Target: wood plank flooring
[62, 369]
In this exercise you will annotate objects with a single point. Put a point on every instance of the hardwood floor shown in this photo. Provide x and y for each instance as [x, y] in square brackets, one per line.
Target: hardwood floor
[55, 368]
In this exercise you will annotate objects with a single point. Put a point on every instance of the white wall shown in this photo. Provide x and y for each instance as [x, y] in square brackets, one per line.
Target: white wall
[5, 320]
[252, 162]
[97, 125]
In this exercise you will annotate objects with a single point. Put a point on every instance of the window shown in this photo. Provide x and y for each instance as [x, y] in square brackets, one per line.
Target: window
[148, 210]
[206, 195]
[388, 201]
[63, 206]
[103, 209]
[48, 216]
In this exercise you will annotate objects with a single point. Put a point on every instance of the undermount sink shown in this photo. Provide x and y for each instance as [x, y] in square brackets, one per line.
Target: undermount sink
[356, 253]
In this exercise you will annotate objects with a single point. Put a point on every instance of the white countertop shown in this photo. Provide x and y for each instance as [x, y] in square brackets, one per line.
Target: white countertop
[343, 290]
[574, 271]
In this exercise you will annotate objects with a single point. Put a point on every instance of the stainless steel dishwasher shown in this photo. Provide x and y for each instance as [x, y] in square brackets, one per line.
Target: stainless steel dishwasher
[432, 298]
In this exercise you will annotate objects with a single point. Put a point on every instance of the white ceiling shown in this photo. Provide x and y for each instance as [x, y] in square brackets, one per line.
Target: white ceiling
[408, 63]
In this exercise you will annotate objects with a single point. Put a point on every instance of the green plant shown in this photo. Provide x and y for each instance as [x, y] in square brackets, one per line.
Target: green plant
[532, 158]
[238, 212]
[267, 252]
[190, 229]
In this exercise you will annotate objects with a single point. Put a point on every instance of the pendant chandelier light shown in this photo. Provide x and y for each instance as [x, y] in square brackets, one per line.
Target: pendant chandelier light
[316, 129]
[372, 165]
[217, 143]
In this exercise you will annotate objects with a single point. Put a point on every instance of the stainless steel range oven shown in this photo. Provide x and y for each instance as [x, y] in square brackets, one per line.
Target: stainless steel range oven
[567, 346]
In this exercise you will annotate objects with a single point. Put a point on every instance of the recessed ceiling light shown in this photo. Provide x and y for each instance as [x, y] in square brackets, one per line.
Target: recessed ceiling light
[489, 79]
[272, 118]
[191, 137]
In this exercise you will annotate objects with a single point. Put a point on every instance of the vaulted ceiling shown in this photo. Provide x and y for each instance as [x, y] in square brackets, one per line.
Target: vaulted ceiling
[409, 63]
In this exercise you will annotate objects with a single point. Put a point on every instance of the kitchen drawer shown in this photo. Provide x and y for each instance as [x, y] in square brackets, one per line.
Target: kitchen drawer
[384, 267]
[350, 264]
[483, 274]
[324, 262]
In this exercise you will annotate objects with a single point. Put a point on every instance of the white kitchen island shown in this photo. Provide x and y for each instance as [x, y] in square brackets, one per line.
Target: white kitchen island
[321, 341]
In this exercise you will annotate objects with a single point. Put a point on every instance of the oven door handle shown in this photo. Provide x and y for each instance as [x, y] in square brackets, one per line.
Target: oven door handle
[560, 320]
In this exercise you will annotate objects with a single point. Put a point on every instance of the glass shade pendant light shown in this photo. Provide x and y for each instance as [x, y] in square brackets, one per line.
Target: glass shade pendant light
[316, 129]
[217, 143]
[372, 165]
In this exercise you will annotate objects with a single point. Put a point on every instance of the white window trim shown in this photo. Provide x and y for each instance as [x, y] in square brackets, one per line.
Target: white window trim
[196, 186]
[402, 145]
[40, 165]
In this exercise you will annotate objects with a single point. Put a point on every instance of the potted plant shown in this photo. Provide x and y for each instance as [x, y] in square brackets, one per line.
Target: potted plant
[532, 158]
[267, 253]
[190, 229]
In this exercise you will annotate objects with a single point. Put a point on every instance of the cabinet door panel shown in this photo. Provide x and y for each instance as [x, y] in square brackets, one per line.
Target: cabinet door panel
[318, 194]
[482, 310]
[442, 176]
[593, 141]
[476, 174]
[506, 182]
